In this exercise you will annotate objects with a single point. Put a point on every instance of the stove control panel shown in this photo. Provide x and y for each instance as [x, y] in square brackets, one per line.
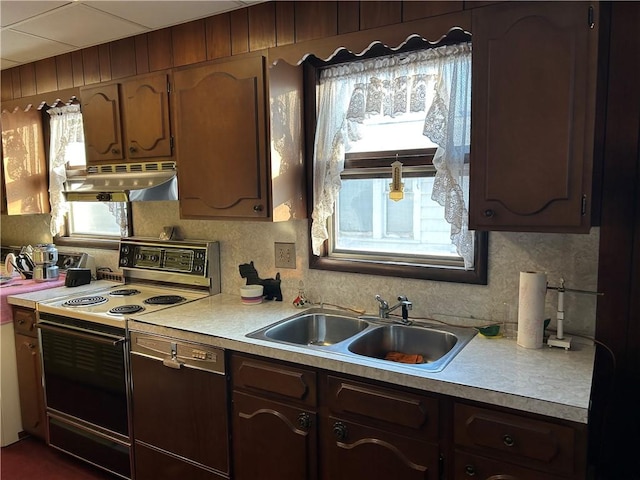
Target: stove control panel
[187, 259]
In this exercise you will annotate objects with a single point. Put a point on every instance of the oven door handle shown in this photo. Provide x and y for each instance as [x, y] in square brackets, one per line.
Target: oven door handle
[84, 334]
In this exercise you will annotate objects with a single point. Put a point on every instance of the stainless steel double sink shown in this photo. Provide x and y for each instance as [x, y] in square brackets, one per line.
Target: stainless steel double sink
[371, 337]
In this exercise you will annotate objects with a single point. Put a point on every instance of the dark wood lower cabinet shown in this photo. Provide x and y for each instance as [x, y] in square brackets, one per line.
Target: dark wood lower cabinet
[475, 467]
[273, 440]
[356, 451]
[152, 464]
[30, 385]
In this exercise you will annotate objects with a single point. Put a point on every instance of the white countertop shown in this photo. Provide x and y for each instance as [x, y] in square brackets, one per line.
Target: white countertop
[547, 381]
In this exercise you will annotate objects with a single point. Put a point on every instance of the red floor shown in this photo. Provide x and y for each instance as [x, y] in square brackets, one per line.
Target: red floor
[31, 459]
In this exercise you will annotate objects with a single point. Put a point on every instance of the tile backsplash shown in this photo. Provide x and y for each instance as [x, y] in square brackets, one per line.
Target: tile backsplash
[571, 256]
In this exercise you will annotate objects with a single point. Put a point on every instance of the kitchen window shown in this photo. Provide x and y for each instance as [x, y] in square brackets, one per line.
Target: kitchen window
[391, 167]
[101, 223]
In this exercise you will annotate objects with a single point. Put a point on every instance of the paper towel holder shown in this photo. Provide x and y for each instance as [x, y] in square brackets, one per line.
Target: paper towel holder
[559, 340]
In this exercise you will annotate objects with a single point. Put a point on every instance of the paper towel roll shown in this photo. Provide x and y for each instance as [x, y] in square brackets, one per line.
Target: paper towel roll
[533, 289]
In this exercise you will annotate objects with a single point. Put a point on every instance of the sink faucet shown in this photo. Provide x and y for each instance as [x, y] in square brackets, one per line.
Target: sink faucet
[384, 309]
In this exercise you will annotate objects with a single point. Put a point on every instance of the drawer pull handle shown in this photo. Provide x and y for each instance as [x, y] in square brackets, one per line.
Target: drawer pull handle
[489, 213]
[257, 208]
[508, 440]
[115, 151]
[132, 149]
[470, 471]
[304, 421]
[340, 431]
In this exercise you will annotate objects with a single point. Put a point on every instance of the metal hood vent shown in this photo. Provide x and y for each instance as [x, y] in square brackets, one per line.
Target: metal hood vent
[124, 182]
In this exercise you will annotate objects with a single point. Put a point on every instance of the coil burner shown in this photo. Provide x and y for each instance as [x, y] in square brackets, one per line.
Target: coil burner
[125, 309]
[164, 300]
[85, 301]
[124, 292]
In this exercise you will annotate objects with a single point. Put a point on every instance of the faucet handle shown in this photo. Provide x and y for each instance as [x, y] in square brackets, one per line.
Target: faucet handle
[383, 303]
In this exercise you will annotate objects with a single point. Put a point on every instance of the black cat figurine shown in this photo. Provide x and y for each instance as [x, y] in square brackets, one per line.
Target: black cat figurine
[271, 286]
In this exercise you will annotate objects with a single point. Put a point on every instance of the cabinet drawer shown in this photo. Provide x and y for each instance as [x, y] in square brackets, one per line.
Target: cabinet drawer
[274, 379]
[472, 467]
[24, 321]
[537, 443]
[411, 412]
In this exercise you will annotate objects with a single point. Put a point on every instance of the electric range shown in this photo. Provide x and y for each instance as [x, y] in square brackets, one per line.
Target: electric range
[85, 345]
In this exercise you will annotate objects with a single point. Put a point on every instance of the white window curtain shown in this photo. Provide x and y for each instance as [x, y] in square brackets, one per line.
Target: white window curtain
[435, 81]
[67, 147]
[66, 128]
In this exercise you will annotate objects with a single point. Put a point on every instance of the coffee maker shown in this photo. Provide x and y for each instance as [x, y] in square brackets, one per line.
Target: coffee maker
[45, 256]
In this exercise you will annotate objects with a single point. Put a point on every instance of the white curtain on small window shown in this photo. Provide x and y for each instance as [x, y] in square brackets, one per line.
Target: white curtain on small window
[66, 128]
[394, 85]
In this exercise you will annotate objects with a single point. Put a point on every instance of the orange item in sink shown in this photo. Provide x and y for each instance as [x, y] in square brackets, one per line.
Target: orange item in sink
[404, 357]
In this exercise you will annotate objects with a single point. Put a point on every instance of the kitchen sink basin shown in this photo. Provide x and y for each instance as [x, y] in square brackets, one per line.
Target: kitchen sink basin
[371, 338]
[318, 329]
[428, 343]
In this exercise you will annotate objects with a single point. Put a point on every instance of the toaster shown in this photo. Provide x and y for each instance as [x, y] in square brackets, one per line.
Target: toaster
[77, 276]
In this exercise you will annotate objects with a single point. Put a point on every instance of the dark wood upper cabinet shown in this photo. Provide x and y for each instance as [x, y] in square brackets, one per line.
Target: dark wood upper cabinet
[533, 111]
[225, 115]
[128, 121]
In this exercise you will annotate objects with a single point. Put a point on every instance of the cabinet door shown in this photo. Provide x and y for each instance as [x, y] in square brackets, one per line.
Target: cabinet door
[182, 411]
[273, 440]
[102, 123]
[30, 385]
[145, 106]
[356, 451]
[534, 72]
[221, 147]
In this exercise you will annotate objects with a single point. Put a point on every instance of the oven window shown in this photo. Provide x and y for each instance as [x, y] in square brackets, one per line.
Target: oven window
[85, 379]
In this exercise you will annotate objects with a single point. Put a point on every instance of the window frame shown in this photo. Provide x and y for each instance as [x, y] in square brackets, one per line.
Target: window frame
[478, 275]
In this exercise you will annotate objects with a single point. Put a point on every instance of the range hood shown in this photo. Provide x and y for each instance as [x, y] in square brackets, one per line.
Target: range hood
[124, 182]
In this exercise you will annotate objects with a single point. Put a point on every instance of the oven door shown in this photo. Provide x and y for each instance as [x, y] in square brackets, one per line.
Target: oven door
[85, 376]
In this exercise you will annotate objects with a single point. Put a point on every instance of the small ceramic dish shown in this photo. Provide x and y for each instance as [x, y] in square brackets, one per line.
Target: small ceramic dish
[251, 294]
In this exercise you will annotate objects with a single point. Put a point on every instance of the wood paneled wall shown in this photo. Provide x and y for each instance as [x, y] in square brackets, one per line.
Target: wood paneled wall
[257, 27]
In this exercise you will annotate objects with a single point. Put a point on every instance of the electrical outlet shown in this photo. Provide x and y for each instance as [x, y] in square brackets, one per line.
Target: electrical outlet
[285, 255]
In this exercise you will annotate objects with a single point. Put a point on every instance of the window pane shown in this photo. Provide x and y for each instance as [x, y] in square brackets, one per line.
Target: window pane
[413, 226]
[94, 218]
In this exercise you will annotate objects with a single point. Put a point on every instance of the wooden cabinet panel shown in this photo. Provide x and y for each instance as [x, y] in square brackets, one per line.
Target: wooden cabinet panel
[534, 443]
[128, 121]
[397, 409]
[218, 33]
[145, 106]
[285, 22]
[24, 321]
[221, 132]
[64, 71]
[152, 464]
[239, 22]
[123, 58]
[468, 466]
[378, 14]
[357, 451]
[160, 49]
[102, 124]
[182, 411]
[30, 385]
[315, 20]
[27, 80]
[283, 382]
[534, 68]
[416, 10]
[262, 26]
[46, 75]
[188, 43]
[273, 440]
